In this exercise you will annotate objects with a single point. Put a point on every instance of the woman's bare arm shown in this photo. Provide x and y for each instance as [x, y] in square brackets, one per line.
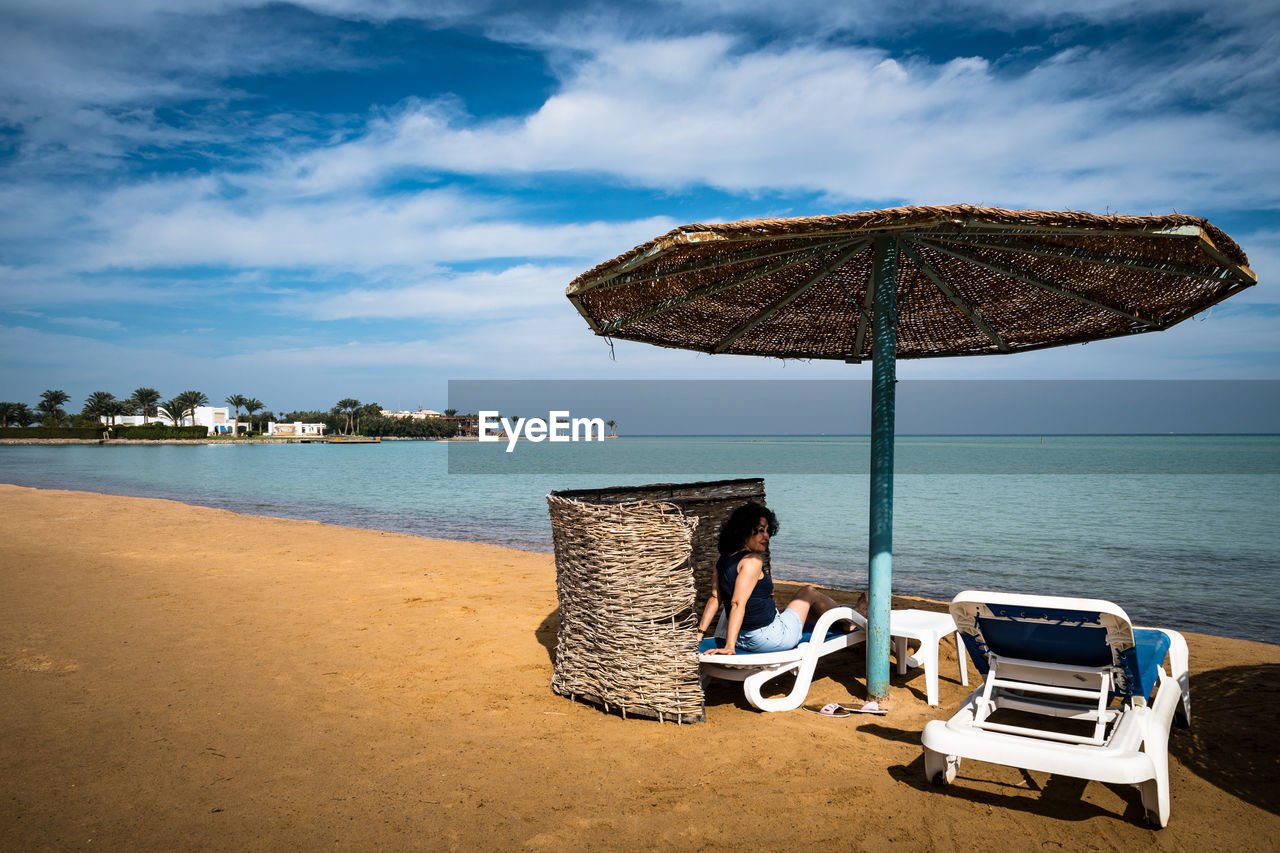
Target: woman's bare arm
[750, 570]
[709, 612]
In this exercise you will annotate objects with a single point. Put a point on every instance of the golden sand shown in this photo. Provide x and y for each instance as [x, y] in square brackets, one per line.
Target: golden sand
[176, 677]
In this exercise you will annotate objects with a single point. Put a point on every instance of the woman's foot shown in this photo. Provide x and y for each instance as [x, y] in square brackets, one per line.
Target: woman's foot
[860, 607]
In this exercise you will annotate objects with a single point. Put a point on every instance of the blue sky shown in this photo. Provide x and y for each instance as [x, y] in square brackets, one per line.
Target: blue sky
[304, 202]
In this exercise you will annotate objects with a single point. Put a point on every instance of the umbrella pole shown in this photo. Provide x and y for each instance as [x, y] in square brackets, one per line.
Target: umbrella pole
[884, 282]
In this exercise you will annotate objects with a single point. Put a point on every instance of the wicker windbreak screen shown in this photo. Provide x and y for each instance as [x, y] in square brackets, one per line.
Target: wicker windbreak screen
[625, 581]
[626, 598]
[710, 502]
[970, 281]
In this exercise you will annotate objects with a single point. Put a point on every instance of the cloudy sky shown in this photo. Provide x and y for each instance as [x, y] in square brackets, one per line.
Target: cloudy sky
[306, 201]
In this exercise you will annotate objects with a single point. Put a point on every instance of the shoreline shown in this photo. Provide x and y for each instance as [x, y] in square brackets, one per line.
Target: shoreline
[377, 531]
[175, 676]
[840, 593]
[538, 548]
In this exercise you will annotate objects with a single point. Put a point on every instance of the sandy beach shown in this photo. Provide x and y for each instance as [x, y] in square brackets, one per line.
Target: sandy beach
[176, 677]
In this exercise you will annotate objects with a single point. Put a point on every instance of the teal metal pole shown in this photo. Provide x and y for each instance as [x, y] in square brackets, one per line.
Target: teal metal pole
[884, 282]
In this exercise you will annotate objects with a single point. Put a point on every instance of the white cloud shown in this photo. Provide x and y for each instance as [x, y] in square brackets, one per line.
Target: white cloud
[515, 291]
[88, 323]
[59, 287]
[851, 123]
[351, 233]
[1263, 248]
[875, 18]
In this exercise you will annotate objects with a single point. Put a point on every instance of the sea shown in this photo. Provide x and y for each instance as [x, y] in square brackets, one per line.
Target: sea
[1181, 531]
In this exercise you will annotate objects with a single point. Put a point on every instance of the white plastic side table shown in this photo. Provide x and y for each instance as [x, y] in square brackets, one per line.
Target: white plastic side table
[928, 628]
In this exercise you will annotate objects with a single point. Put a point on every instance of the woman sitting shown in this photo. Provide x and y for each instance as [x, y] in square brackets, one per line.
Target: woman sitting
[742, 581]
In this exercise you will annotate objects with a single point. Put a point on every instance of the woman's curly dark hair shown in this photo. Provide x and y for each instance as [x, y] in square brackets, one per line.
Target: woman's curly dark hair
[741, 523]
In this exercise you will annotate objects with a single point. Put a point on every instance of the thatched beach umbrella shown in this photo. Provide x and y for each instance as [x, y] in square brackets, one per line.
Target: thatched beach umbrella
[910, 282]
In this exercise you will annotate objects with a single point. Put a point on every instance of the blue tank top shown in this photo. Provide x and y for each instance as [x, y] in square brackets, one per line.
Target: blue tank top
[761, 609]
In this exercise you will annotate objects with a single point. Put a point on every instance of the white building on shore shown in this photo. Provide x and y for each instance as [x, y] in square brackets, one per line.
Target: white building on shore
[297, 428]
[420, 415]
[217, 419]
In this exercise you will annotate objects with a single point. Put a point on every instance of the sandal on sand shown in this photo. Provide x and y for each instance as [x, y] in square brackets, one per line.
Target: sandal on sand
[831, 709]
[869, 708]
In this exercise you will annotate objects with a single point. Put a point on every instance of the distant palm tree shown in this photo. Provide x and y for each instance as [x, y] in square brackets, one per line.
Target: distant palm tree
[184, 405]
[50, 407]
[175, 410]
[146, 400]
[23, 416]
[236, 400]
[347, 406]
[193, 400]
[368, 410]
[100, 404]
[120, 409]
[7, 413]
[613, 428]
[252, 405]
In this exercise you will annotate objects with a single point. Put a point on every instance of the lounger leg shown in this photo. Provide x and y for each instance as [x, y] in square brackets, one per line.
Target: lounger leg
[753, 686]
[940, 769]
[900, 652]
[1179, 665]
[964, 662]
[929, 652]
[1155, 743]
[1155, 792]
[1155, 799]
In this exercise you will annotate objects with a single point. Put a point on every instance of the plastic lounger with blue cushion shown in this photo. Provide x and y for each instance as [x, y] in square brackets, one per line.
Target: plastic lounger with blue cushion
[754, 670]
[1066, 658]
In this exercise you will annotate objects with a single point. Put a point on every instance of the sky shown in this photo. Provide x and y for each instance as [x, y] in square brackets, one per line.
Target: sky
[302, 202]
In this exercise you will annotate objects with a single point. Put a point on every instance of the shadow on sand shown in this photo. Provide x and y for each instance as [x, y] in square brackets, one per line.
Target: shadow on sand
[1231, 742]
[847, 670]
[548, 632]
[1060, 797]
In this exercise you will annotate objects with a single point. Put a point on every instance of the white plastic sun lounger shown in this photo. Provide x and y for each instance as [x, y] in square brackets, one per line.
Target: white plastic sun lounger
[1074, 659]
[755, 670]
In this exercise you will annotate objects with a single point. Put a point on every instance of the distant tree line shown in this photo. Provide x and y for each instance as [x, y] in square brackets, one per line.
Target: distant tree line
[410, 427]
[103, 405]
[351, 417]
[348, 417]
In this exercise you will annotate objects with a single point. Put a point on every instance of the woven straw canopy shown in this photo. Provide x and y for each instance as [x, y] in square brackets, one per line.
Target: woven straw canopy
[970, 281]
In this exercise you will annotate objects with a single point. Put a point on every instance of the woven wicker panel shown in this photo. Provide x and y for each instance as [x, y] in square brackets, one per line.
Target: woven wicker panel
[625, 590]
[711, 502]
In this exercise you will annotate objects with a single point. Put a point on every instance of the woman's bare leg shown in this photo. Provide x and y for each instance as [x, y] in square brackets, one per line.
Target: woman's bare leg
[809, 601]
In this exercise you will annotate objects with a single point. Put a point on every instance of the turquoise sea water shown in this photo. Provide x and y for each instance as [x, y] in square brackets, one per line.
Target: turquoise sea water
[1182, 531]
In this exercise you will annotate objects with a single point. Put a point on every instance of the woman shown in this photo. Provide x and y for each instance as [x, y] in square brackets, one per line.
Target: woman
[746, 587]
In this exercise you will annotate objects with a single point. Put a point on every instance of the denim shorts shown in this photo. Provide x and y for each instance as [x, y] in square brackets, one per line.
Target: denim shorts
[779, 635]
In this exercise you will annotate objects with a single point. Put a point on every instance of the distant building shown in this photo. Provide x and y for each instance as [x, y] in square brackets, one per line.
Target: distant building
[420, 415]
[217, 419]
[297, 428]
[468, 425]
